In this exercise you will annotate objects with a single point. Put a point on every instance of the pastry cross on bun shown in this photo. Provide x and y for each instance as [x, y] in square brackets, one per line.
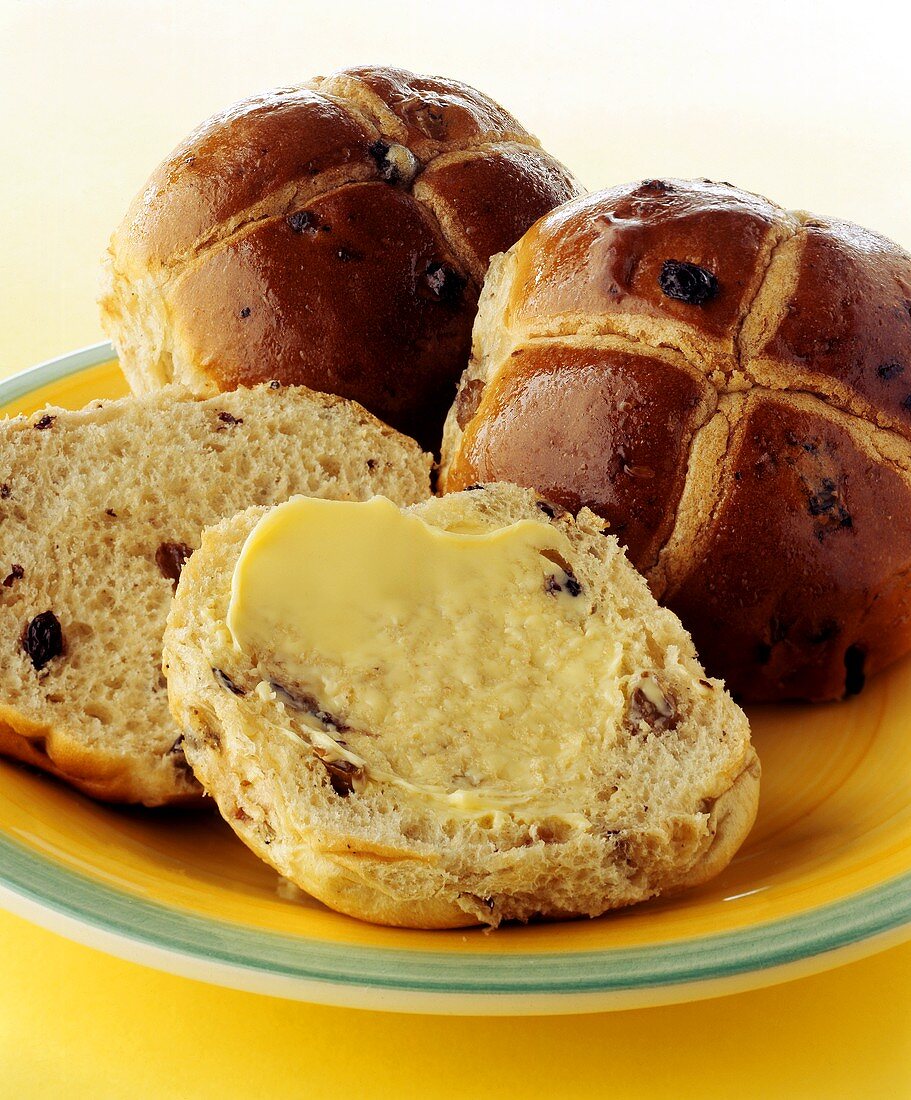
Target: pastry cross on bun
[729, 384]
[333, 235]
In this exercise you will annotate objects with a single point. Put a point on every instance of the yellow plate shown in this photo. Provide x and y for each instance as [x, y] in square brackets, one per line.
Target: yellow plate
[824, 877]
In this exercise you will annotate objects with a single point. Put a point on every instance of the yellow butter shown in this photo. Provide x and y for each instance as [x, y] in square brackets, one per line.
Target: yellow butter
[472, 651]
[331, 577]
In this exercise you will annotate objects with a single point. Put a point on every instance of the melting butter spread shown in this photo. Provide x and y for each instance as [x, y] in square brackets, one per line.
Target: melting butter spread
[464, 663]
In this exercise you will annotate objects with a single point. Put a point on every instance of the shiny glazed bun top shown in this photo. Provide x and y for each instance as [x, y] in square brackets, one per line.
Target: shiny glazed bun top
[333, 235]
[729, 384]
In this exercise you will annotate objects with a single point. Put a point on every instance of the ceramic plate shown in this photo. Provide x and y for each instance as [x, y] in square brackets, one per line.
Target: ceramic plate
[824, 877]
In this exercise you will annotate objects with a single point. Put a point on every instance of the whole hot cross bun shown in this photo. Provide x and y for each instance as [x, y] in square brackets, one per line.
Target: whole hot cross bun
[333, 235]
[729, 384]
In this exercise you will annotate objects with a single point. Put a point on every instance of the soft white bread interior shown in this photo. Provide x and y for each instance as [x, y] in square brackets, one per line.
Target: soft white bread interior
[555, 748]
[98, 510]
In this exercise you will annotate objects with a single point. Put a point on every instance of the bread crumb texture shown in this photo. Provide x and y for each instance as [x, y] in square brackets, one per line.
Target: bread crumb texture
[555, 753]
[100, 510]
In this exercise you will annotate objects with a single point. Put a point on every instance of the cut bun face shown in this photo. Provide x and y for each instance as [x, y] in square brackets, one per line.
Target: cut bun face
[468, 711]
[334, 235]
[100, 510]
[728, 384]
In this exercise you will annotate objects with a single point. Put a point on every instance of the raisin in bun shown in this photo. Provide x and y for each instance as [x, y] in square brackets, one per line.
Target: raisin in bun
[333, 235]
[729, 384]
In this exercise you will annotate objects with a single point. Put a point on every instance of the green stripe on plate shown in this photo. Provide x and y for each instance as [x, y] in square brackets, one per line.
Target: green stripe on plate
[53, 370]
[759, 947]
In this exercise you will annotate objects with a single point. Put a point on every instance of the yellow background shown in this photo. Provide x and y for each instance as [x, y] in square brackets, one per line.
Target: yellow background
[92, 95]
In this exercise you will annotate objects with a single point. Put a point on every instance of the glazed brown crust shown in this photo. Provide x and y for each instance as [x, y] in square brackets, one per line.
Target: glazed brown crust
[236, 161]
[487, 197]
[845, 328]
[800, 581]
[429, 114]
[618, 431]
[598, 263]
[788, 550]
[208, 236]
[365, 314]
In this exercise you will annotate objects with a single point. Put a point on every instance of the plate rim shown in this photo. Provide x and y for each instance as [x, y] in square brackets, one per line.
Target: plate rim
[416, 980]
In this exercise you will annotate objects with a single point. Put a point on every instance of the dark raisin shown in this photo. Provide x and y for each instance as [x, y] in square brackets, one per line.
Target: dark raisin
[275, 384]
[341, 775]
[5, 490]
[888, 371]
[828, 509]
[371, 463]
[658, 187]
[302, 700]
[245, 312]
[227, 683]
[42, 639]
[110, 512]
[824, 500]
[445, 283]
[855, 678]
[805, 444]
[553, 511]
[388, 169]
[706, 684]
[572, 585]
[170, 558]
[227, 421]
[16, 573]
[45, 422]
[379, 150]
[569, 582]
[472, 488]
[657, 708]
[467, 400]
[302, 221]
[178, 761]
[686, 282]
